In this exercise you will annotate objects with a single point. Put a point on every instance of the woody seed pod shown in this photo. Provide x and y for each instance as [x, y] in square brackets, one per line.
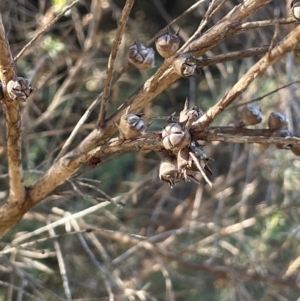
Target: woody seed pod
[250, 115]
[187, 166]
[188, 116]
[175, 137]
[185, 65]
[168, 171]
[19, 88]
[131, 126]
[186, 162]
[167, 43]
[295, 6]
[277, 121]
[202, 158]
[141, 56]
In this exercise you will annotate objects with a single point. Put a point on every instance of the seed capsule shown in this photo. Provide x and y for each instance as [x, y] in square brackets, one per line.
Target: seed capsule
[250, 115]
[141, 56]
[188, 116]
[131, 126]
[185, 161]
[202, 158]
[295, 6]
[175, 137]
[188, 166]
[185, 65]
[168, 171]
[19, 88]
[277, 121]
[167, 44]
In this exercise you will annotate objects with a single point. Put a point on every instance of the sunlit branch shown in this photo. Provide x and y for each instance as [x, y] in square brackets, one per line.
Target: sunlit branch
[112, 57]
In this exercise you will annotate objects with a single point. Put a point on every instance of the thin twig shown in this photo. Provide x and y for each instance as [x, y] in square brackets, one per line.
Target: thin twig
[79, 124]
[111, 61]
[265, 95]
[258, 24]
[39, 34]
[163, 12]
[190, 9]
[170, 296]
[212, 9]
[16, 288]
[106, 196]
[86, 115]
[96, 9]
[215, 269]
[236, 55]
[167, 62]
[60, 222]
[58, 97]
[200, 168]
[260, 67]
[103, 271]
[61, 264]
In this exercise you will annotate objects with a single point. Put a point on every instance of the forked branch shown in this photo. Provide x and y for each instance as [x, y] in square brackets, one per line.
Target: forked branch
[255, 71]
[11, 110]
[69, 163]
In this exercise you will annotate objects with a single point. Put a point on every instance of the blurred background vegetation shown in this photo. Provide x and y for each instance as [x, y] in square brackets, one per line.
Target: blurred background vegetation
[247, 223]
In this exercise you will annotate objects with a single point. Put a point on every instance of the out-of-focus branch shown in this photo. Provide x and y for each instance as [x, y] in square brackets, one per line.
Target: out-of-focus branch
[213, 7]
[11, 110]
[87, 113]
[184, 14]
[225, 271]
[259, 68]
[39, 34]
[111, 61]
[265, 95]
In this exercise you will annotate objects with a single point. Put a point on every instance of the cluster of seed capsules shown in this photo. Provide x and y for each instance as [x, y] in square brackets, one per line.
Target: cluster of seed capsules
[167, 44]
[184, 159]
[277, 122]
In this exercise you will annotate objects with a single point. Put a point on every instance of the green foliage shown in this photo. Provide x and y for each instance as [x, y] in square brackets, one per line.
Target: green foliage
[59, 4]
[52, 46]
